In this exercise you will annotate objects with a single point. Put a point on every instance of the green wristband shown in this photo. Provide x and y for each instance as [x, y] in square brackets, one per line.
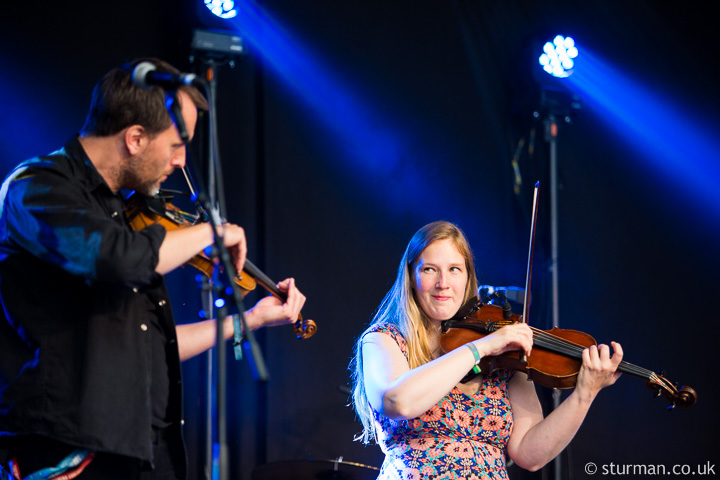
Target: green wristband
[476, 354]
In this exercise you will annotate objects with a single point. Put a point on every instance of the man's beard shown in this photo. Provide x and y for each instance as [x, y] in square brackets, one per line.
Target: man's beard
[150, 188]
[132, 181]
[145, 187]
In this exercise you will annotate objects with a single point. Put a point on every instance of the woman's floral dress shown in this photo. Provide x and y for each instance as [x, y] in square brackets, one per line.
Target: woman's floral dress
[461, 437]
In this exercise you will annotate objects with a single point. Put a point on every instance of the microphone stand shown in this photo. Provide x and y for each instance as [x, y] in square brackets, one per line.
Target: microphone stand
[249, 343]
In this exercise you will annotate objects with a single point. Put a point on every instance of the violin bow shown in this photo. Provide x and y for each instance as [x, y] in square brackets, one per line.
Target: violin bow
[528, 276]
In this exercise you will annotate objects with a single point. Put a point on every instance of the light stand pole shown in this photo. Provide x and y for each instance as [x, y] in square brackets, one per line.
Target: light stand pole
[556, 104]
[551, 134]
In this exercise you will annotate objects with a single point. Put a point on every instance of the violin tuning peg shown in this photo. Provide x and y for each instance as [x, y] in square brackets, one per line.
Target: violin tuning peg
[657, 393]
[670, 407]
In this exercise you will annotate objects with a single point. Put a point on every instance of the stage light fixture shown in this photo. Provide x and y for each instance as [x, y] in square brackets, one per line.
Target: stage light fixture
[558, 57]
[222, 8]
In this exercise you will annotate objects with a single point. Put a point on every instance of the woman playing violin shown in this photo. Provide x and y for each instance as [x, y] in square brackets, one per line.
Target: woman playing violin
[410, 399]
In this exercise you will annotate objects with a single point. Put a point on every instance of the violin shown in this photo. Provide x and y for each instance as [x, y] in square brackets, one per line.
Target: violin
[556, 355]
[142, 211]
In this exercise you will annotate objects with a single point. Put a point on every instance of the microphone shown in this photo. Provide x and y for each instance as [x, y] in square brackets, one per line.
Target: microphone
[145, 75]
[515, 294]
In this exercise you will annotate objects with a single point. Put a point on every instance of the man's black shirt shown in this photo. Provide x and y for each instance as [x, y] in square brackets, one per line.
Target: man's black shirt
[84, 313]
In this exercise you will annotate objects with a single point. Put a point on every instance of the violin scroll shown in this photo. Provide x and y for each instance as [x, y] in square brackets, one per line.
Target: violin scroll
[304, 328]
[678, 396]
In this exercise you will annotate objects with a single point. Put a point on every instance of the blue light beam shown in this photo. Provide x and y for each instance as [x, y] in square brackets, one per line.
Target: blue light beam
[317, 86]
[27, 128]
[374, 151]
[670, 139]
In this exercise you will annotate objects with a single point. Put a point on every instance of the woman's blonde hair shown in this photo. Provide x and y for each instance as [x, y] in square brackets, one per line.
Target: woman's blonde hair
[400, 308]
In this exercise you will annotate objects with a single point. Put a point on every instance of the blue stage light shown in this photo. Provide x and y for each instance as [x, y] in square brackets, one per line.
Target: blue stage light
[222, 8]
[558, 57]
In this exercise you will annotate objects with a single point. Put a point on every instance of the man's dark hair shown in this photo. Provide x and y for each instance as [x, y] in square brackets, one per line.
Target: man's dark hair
[117, 103]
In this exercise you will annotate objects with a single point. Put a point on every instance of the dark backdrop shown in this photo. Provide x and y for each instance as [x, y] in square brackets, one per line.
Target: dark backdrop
[443, 96]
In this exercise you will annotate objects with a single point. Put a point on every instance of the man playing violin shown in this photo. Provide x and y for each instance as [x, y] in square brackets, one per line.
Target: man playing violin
[410, 398]
[89, 351]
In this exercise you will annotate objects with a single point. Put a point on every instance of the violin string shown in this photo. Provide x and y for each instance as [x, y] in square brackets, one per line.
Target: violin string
[260, 276]
[574, 350]
[560, 345]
